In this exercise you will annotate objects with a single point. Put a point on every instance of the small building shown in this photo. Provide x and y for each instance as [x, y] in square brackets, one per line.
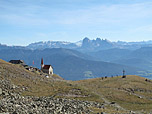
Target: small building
[46, 68]
[17, 62]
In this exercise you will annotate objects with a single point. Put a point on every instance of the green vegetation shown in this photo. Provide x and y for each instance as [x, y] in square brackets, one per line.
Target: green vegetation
[38, 85]
[131, 93]
[109, 110]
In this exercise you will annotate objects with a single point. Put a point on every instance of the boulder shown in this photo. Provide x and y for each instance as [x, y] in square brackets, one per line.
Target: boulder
[0, 91]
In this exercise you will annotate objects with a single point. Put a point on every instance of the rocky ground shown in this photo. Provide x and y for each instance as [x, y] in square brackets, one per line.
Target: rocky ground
[13, 103]
[25, 92]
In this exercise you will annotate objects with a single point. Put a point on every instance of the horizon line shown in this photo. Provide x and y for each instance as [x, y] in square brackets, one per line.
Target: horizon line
[73, 41]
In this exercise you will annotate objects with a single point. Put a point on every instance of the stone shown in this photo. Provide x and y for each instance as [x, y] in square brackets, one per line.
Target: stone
[0, 91]
[14, 112]
[112, 102]
[103, 113]
[13, 86]
[5, 93]
[14, 103]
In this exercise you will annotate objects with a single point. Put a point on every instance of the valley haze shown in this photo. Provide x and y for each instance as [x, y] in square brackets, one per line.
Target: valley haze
[86, 58]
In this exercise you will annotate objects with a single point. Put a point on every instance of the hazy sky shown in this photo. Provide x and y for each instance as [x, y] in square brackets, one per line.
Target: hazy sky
[26, 21]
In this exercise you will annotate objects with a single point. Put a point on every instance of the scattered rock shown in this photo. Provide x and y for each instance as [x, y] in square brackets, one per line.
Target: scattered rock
[14, 103]
[0, 91]
[5, 93]
[140, 97]
[112, 102]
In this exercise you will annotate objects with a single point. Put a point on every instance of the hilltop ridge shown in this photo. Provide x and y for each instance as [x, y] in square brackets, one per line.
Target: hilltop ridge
[21, 89]
[131, 93]
[19, 86]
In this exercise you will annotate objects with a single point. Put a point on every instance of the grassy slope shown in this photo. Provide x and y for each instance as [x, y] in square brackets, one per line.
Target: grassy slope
[36, 85]
[132, 93]
[124, 92]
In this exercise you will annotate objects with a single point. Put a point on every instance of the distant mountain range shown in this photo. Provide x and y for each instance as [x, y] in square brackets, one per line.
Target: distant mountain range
[141, 58]
[86, 58]
[70, 64]
[87, 45]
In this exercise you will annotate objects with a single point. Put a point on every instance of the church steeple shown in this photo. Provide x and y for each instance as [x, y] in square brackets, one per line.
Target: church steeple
[46, 68]
[42, 61]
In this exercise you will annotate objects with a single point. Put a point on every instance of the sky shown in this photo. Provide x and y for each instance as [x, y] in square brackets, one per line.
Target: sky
[27, 21]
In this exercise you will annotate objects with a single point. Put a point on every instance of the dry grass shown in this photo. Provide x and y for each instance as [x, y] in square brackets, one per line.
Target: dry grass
[109, 110]
[123, 91]
[37, 85]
